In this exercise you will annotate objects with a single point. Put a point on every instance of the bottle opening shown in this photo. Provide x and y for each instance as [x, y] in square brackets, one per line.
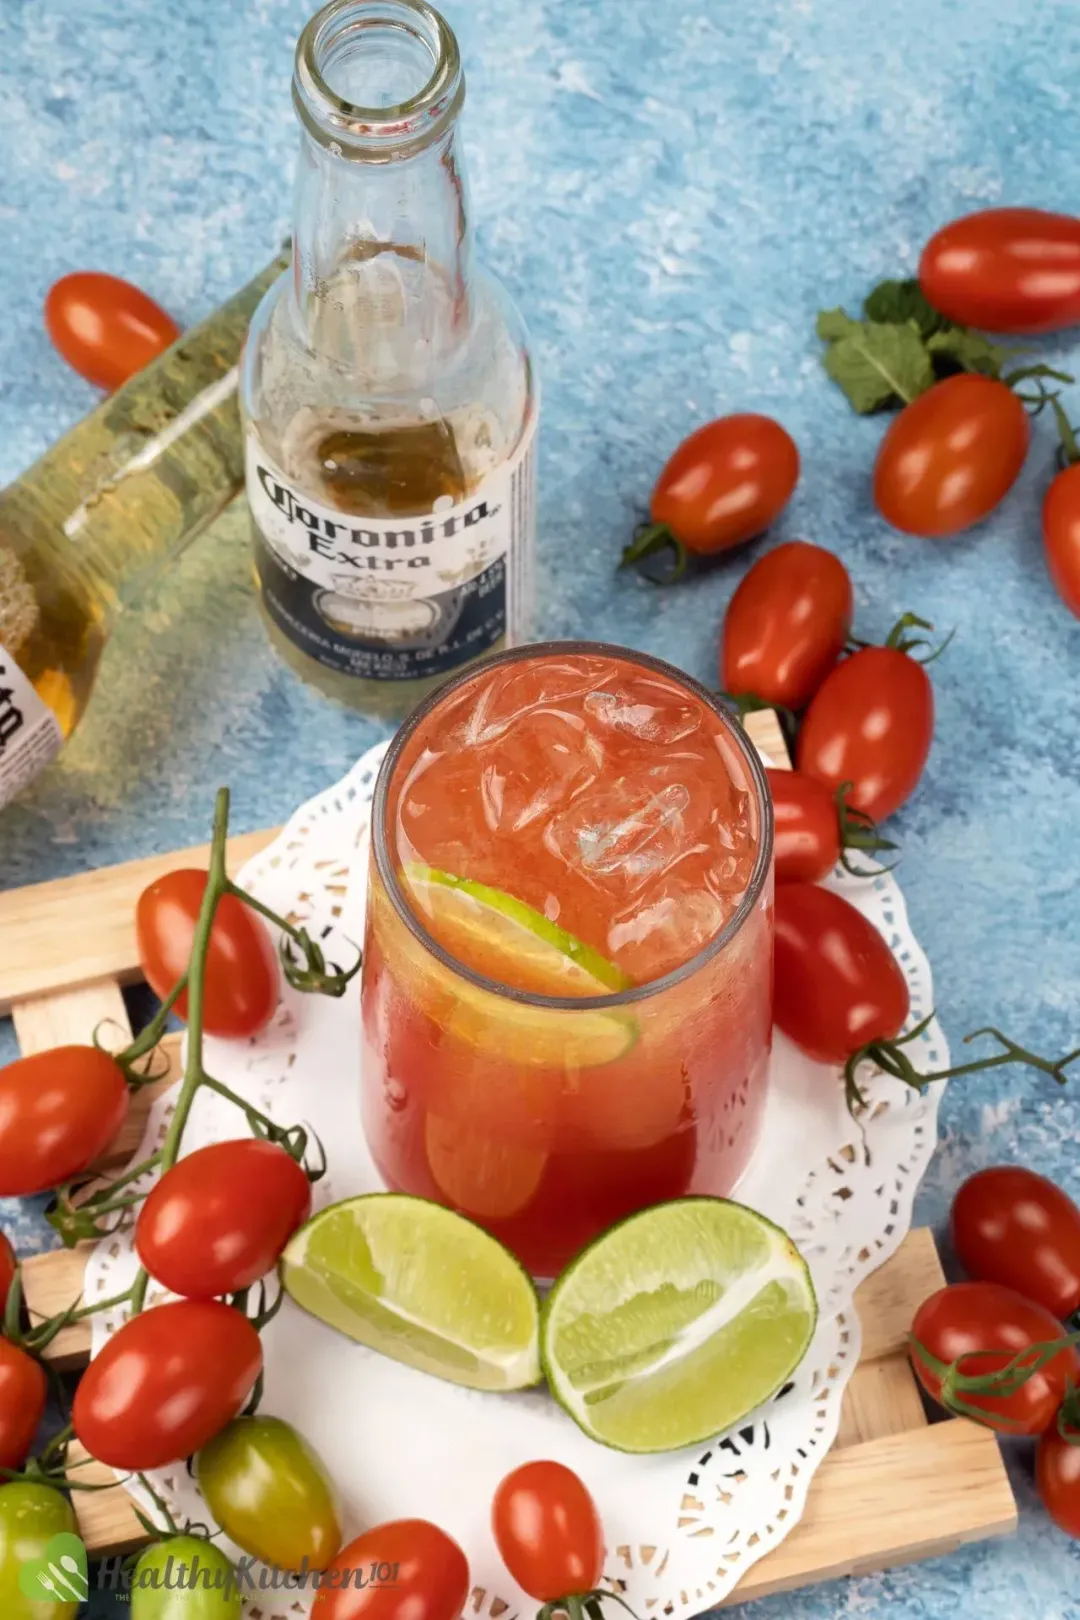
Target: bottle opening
[377, 78]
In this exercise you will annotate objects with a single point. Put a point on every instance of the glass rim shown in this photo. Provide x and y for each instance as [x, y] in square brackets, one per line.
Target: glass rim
[407, 125]
[386, 866]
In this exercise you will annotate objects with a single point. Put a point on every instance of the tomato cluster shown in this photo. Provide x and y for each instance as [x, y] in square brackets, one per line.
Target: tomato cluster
[995, 1348]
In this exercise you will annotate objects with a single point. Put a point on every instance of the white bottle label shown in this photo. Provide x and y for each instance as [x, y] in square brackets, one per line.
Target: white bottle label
[29, 734]
[399, 599]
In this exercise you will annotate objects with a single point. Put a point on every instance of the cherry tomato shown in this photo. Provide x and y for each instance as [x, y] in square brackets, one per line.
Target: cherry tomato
[58, 1111]
[1006, 270]
[8, 1267]
[429, 1579]
[1061, 535]
[105, 328]
[838, 985]
[870, 724]
[727, 482]
[242, 978]
[548, 1531]
[203, 1584]
[166, 1383]
[270, 1493]
[219, 1219]
[971, 1316]
[1057, 1476]
[1014, 1227]
[951, 456]
[806, 840]
[31, 1515]
[23, 1392]
[786, 625]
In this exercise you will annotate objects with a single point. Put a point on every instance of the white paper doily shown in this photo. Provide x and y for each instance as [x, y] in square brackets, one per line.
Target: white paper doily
[682, 1529]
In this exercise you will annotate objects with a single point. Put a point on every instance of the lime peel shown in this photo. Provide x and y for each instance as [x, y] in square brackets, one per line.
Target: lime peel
[573, 963]
[674, 1325]
[420, 1284]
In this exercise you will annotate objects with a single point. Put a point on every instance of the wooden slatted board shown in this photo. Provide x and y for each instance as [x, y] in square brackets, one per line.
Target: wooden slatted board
[894, 1489]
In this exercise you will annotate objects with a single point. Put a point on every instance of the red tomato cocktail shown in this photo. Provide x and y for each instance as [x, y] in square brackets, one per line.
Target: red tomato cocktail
[568, 965]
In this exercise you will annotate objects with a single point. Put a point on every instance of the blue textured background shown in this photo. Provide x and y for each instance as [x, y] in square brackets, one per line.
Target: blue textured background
[671, 203]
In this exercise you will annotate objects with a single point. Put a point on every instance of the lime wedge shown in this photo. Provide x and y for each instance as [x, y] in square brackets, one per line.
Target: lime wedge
[676, 1323]
[421, 1284]
[493, 927]
[508, 941]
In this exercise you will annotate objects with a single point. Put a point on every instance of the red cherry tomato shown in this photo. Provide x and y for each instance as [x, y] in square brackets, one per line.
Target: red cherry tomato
[105, 328]
[838, 985]
[727, 482]
[8, 1267]
[1057, 1476]
[1014, 1227]
[430, 1579]
[166, 1383]
[971, 1316]
[1061, 535]
[548, 1531]
[219, 1219]
[951, 456]
[870, 724]
[242, 978]
[1006, 270]
[23, 1390]
[806, 841]
[58, 1111]
[786, 625]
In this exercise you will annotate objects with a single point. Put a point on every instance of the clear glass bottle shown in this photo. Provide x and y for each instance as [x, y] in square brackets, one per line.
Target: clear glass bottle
[88, 526]
[388, 393]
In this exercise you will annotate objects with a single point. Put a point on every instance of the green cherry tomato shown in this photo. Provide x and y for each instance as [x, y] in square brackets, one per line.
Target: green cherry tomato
[31, 1514]
[184, 1578]
[270, 1493]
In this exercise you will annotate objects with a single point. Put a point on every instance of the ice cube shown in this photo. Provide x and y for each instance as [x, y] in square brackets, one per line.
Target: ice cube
[632, 831]
[634, 710]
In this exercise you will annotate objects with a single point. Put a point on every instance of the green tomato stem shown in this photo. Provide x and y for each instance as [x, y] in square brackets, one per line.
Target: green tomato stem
[194, 1073]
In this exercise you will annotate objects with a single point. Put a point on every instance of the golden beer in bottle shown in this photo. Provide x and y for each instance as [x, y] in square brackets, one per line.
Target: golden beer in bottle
[389, 397]
[88, 526]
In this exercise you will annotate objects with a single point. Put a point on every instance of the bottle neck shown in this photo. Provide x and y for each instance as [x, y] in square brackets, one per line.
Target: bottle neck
[382, 248]
[382, 256]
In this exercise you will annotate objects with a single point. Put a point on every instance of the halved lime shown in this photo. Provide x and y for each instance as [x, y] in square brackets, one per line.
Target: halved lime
[509, 942]
[421, 1284]
[676, 1323]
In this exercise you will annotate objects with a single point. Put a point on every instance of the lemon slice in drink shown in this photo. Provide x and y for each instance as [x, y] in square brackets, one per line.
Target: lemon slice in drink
[508, 941]
[420, 1284]
[676, 1323]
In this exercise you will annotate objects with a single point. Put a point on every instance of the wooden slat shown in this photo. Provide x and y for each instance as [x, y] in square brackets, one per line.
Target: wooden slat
[56, 936]
[763, 729]
[71, 1017]
[888, 1298]
[882, 1398]
[106, 1518]
[891, 1501]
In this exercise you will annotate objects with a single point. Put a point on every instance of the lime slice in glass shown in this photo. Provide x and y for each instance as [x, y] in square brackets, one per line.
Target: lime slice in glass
[676, 1323]
[421, 1284]
[482, 1176]
[509, 942]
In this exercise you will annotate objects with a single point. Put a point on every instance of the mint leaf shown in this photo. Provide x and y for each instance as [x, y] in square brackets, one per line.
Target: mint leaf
[877, 364]
[894, 302]
[835, 323]
[970, 351]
